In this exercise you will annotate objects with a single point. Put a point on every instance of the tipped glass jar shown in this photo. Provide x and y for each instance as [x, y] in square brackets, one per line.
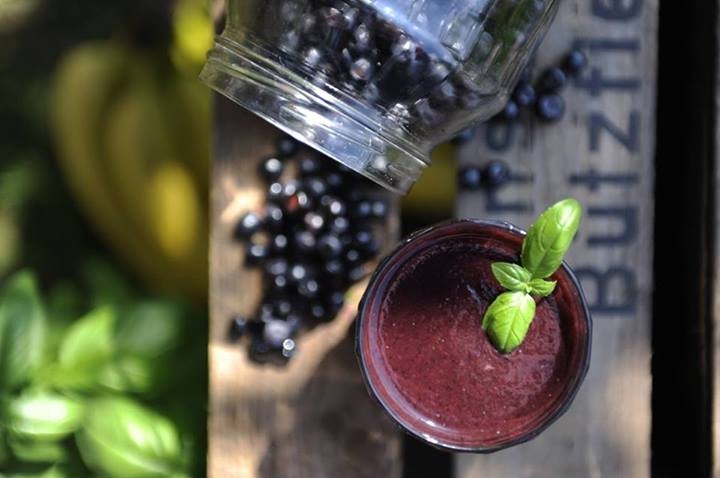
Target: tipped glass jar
[375, 84]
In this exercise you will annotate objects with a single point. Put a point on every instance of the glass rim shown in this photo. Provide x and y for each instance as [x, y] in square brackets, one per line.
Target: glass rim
[570, 394]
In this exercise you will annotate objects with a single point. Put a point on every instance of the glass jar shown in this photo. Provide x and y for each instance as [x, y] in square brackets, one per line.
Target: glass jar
[375, 84]
[429, 364]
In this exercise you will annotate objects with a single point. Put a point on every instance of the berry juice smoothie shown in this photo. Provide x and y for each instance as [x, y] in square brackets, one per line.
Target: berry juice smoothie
[429, 363]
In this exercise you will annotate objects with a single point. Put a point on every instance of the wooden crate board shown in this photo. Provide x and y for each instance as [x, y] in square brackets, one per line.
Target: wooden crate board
[601, 153]
[314, 417]
[715, 287]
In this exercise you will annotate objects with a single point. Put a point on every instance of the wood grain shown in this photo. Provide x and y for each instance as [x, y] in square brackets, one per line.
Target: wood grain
[606, 433]
[715, 389]
[312, 418]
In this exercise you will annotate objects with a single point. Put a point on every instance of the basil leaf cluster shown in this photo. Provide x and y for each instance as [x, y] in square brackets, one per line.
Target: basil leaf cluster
[94, 395]
[508, 318]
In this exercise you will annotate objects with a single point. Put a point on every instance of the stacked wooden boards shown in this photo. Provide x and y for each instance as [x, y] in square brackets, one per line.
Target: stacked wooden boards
[315, 419]
[601, 153]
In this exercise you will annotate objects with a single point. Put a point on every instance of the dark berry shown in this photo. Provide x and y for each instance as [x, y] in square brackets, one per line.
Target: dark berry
[318, 311]
[362, 36]
[286, 146]
[553, 80]
[380, 209]
[314, 186]
[274, 217]
[426, 114]
[256, 254]
[314, 221]
[352, 256]
[334, 180]
[444, 97]
[310, 165]
[335, 302]
[333, 205]
[275, 192]
[339, 225]
[279, 244]
[511, 112]
[298, 202]
[271, 169]
[289, 347]
[238, 327]
[524, 95]
[266, 311]
[495, 173]
[575, 62]
[329, 246]
[334, 268]
[276, 332]
[248, 225]
[362, 238]
[279, 283]
[298, 272]
[283, 308]
[361, 70]
[362, 210]
[356, 273]
[305, 241]
[550, 107]
[259, 348]
[308, 288]
[470, 178]
[276, 267]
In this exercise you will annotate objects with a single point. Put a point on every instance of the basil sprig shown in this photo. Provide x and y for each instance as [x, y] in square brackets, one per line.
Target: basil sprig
[508, 318]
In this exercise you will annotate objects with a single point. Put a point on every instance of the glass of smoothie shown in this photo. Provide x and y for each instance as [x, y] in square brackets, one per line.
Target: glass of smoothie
[431, 366]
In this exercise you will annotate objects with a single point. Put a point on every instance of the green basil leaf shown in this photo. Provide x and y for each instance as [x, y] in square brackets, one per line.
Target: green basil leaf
[36, 471]
[38, 452]
[22, 330]
[150, 328]
[550, 237]
[123, 439]
[107, 286]
[4, 452]
[43, 416]
[513, 277]
[130, 374]
[508, 319]
[87, 347]
[542, 287]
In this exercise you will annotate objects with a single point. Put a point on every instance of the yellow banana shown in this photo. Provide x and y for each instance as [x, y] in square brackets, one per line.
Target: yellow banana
[187, 107]
[89, 82]
[142, 159]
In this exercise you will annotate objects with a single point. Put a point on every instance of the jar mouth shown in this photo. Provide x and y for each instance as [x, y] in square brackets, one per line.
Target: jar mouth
[373, 367]
[308, 113]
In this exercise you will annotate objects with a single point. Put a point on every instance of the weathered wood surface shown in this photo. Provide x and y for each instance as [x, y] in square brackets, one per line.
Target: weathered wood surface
[716, 286]
[601, 153]
[314, 417]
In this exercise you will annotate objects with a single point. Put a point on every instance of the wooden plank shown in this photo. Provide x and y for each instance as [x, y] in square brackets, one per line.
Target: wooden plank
[601, 153]
[313, 417]
[715, 285]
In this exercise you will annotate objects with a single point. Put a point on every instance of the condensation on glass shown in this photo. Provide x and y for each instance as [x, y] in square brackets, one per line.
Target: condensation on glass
[375, 84]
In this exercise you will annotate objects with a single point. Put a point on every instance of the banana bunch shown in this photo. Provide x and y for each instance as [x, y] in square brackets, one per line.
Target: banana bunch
[132, 137]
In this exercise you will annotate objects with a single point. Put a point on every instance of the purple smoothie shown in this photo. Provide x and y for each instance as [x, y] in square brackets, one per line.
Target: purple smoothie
[428, 361]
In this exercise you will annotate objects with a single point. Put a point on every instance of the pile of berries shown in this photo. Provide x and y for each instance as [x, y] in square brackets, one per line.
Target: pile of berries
[543, 98]
[313, 240]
